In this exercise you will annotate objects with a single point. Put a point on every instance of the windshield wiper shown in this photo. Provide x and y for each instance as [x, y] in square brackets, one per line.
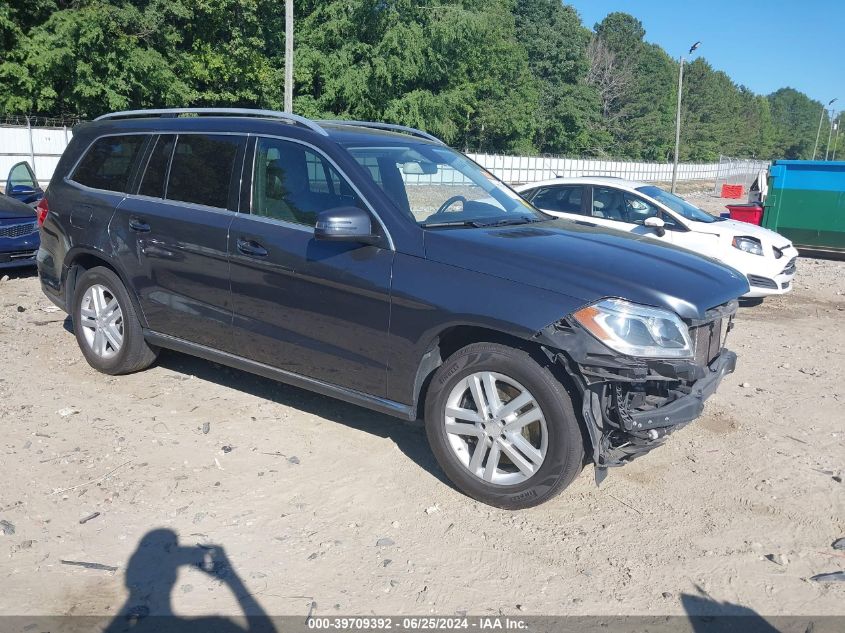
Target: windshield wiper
[513, 221]
[481, 223]
[437, 225]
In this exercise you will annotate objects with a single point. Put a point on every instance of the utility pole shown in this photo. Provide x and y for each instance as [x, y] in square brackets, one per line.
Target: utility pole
[678, 117]
[289, 56]
[819, 131]
[836, 136]
[829, 134]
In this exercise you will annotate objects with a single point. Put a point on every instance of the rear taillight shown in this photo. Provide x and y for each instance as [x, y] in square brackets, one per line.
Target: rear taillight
[41, 210]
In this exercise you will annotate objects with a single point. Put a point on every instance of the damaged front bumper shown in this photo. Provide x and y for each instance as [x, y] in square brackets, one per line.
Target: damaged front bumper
[620, 432]
[630, 405]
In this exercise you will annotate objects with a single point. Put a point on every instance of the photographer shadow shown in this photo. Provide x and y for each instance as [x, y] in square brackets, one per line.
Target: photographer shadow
[151, 577]
[707, 615]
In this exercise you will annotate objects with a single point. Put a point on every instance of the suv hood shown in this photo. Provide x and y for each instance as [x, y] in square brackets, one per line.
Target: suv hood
[588, 263]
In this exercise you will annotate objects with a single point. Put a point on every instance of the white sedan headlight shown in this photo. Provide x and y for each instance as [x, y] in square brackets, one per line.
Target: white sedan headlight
[636, 330]
[748, 244]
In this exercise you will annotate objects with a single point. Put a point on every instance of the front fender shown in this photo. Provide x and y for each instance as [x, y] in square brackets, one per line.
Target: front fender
[421, 310]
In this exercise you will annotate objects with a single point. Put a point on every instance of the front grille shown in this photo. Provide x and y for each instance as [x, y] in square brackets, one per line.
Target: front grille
[17, 230]
[707, 341]
[762, 282]
[790, 267]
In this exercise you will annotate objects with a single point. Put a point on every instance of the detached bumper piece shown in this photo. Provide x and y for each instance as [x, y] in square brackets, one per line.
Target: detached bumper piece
[630, 405]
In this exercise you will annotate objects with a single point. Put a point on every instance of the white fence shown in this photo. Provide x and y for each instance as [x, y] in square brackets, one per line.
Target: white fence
[41, 147]
[525, 169]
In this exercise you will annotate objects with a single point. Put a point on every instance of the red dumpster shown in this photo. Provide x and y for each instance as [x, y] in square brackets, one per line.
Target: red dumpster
[751, 213]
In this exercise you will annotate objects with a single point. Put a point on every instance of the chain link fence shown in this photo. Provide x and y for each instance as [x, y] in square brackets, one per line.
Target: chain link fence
[21, 120]
[737, 171]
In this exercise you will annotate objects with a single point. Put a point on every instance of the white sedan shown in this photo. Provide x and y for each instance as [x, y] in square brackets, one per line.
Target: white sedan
[766, 258]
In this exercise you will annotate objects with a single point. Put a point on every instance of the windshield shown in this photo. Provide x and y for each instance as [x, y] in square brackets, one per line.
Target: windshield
[678, 204]
[436, 186]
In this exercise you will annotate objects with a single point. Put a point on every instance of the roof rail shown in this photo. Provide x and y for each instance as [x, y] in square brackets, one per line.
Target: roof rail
[392, 127]
[272, 114]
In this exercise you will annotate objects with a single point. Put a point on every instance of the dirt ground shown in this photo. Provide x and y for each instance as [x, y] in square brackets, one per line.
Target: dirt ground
[326, 508]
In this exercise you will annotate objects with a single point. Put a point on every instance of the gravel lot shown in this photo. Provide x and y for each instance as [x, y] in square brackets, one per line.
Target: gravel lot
[326, 508]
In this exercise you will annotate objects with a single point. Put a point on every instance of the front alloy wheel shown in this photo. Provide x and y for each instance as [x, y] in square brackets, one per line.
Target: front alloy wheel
[496, 428]
[502, 426]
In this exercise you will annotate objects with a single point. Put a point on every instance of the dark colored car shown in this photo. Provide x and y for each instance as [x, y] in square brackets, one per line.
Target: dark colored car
[18, 234]
[372, 263]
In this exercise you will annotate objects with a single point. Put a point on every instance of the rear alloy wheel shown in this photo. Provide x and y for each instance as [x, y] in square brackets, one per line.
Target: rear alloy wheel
[502, 426]
[106, 327]
[101, 321]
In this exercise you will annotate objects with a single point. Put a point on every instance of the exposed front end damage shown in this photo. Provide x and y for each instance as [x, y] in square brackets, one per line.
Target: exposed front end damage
[630, 405]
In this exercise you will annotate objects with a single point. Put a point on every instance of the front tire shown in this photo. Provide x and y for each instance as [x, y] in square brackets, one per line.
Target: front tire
[106, 325]
[503, 427]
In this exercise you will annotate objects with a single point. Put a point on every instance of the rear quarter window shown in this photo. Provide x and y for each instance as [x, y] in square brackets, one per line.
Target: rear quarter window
[109, 162]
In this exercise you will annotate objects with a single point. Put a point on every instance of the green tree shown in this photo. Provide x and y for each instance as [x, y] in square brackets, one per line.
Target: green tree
[453, 68]
[641, 119]
[88, 60]
[796, 119]
[568, 110]
[622, 33]
[710, 113]
[104, 56]
[495, 75]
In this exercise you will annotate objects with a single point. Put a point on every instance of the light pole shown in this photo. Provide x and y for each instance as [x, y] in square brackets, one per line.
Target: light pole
[836, 136]
[289, 56]
[821, 118]
[678, 116]
[830, 133]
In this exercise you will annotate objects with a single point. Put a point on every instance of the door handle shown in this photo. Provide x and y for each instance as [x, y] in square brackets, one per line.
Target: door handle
[251, 248]
[139, 226]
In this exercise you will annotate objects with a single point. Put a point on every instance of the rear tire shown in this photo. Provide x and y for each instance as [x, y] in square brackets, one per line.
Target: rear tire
[531, 443]
[106, 326]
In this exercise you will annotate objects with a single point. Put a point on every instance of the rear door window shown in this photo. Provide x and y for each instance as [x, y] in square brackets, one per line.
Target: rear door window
[202, 168]
[609, 204]
[109, 162]
[155, 175]
[561, 198]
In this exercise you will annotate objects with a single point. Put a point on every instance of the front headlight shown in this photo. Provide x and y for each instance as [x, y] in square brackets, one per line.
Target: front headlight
[636, 330]
[748, 244]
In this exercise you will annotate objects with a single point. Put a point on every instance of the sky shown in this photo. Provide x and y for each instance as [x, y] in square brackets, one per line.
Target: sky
[764, 45]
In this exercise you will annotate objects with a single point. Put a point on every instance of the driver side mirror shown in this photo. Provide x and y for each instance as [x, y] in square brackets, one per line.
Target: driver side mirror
[345, 224]
[657, 224]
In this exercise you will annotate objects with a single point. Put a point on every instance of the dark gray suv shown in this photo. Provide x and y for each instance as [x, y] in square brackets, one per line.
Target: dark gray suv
[371, 263]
